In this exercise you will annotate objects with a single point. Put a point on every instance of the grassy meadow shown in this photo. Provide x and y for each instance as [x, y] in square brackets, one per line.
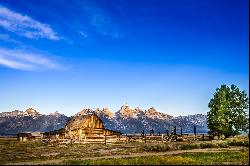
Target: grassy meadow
[13, 151]
[199, 158]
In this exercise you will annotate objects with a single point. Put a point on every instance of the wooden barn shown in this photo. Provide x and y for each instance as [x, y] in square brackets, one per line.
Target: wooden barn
[84, 128]
[87, 126]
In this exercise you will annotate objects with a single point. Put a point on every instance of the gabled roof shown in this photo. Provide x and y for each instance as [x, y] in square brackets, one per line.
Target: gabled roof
[76, 121]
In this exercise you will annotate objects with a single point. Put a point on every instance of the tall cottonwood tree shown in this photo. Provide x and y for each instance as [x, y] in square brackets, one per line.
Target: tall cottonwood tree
[228, 112]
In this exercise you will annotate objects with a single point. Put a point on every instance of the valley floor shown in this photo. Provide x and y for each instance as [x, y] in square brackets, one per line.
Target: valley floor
[229, 151]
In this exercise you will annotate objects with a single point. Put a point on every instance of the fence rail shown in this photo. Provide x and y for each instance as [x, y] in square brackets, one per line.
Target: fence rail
[130, 138]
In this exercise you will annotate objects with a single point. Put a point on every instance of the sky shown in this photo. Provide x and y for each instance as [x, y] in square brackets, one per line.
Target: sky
[67, 55]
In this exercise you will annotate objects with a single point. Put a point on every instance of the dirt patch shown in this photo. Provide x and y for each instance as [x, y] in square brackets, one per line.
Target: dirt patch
[50, 154]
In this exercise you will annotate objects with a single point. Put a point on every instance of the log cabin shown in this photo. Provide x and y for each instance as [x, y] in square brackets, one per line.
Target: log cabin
[34, 136]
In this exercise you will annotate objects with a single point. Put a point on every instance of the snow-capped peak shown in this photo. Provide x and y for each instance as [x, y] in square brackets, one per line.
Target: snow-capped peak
[105, 111]
[152, 113]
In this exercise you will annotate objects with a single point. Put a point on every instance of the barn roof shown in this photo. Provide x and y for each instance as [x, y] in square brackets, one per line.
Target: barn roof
[76, 121]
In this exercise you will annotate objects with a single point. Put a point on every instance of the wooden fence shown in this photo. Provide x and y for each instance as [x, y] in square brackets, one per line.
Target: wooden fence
[130, 138]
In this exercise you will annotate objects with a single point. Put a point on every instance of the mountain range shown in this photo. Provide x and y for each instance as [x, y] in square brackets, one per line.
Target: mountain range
[127, 120]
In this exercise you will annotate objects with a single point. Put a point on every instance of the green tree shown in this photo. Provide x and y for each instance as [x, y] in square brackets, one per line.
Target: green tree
[228, 112]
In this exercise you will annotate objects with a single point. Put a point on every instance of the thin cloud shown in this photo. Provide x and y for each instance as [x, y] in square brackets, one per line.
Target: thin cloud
[7, 38]
[23, 60]
[83, 34]
[24, 25]
[101, 21]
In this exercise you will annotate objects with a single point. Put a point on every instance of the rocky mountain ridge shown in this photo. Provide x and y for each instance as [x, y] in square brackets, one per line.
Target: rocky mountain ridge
[28, 112]
[129, 120]
[30, 121]
[126, 120]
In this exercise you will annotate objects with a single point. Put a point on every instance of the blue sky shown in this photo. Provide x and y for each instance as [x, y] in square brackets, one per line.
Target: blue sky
[171, 54]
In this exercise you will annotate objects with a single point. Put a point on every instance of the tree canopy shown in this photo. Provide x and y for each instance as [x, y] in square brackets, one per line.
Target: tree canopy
[228, 112]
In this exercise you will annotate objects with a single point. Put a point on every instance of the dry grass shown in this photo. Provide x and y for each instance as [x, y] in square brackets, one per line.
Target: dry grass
[12, 151]
[199, 158]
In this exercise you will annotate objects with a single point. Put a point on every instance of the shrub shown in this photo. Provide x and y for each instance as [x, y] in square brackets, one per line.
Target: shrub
[223, 145]
[238, 141]
[188, 146]
[208, 145]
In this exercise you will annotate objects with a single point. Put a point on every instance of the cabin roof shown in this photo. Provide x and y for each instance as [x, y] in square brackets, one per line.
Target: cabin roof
[24, 135]
[59, 131]
[36, 134]
[29, 134]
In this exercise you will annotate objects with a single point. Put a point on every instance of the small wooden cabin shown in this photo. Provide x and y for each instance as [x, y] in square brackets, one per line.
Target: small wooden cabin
[29, 136]
[24, 137]
[56, 134]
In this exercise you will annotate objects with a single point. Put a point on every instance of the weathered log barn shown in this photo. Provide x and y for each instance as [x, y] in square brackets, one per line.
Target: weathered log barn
[82, 128]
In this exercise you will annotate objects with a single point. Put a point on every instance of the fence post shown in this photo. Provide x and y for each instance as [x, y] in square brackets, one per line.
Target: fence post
[194, 133]
[49, 138]
[105, 137]
[175, 135]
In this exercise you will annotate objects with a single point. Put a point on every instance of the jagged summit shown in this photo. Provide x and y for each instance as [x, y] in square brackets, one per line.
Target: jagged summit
[56, 113]
[15, 113]
[107, 112]
[84, 111]
[153, 113]
[31, 111]
[127, 112]
[104, 112]
[125, 107]
[28, 112]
